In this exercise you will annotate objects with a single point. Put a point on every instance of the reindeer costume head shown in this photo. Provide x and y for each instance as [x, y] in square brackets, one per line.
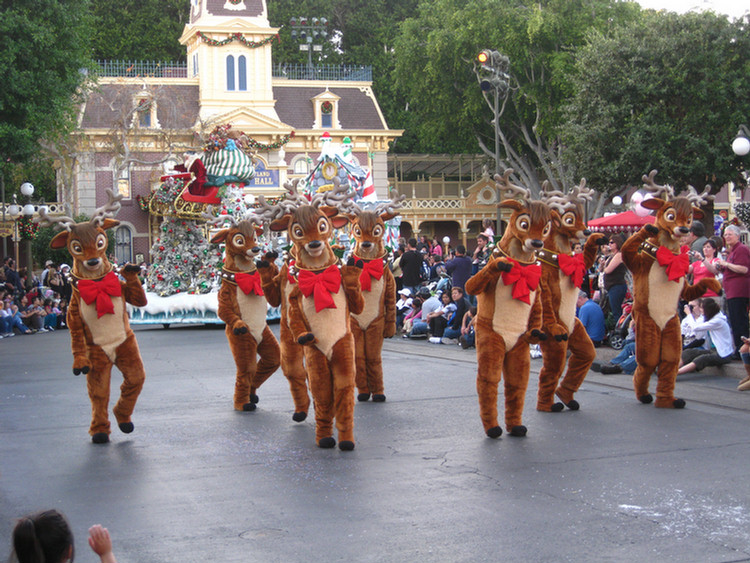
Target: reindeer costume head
[100, 333]
[562, 276]
[659, 267]
[378, 318]
[509, 310]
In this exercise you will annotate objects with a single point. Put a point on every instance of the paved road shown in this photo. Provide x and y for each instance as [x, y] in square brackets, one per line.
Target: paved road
[197, 481]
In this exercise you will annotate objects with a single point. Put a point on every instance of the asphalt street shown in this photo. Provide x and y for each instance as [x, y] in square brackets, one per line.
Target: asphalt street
[197, 481]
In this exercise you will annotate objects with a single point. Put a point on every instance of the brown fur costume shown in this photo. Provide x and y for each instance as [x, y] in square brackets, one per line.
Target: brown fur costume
[562, 275]
[243, 307]
[657, 289]
[321, 297]
[100, 333]
[509, 310]
[377, 320]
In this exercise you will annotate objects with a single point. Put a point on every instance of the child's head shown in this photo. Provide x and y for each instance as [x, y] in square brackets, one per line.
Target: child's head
[44, 537]
[445, 297]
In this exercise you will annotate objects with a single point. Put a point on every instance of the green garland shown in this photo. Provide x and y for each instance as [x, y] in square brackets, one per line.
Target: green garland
[27, 228]
[237, 37]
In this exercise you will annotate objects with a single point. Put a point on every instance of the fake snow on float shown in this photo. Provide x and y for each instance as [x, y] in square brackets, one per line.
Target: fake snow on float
[682, 515]
[182, 308]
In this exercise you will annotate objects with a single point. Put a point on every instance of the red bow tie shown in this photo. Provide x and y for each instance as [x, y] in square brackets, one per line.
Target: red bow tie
[525, 279]
[323, 285]
[573, 267]
[249, 282]
[677, 264]
[372, 269]
[102, 292]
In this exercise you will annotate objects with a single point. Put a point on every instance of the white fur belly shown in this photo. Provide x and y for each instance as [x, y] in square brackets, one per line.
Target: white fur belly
[663, 295]
[253, 311]
[329, 325]
[286, 290]
[107, 331]
[373, 299]
[568, 300]
[511, 315]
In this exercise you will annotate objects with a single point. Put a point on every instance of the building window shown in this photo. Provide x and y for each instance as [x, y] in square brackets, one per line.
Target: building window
[230, 73]
[123, 182]
[242, 73]
[301, 165]
[195, 64]
[326, 114]
[123, 245]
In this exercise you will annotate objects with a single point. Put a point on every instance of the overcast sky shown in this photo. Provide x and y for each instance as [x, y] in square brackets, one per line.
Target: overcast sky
[733, 8]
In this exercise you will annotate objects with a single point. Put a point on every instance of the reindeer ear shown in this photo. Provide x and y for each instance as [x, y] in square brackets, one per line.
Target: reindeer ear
[109, 223]
[352, 217]
[698, 213]
[280, 224]
[328, 210]
[555, 218]
[60, 240]
[389, 216]
[652, 203]
[220, 237]
[513, 204]
[258, 231]
[339, 221]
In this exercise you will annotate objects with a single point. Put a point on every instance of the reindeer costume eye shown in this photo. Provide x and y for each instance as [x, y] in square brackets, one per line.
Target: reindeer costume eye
[101, 242]
[323, 225]
[569, 219]
[76, 248]
[546, 230]
[297, 231]
[357, 231]
[670, 215]
[523, 222]
[238, 240]
[377, 231]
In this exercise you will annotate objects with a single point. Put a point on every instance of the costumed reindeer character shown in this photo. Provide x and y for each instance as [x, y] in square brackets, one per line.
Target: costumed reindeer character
[243, 307]
[377, 320]
[321, 295]
[100, 333]
[562, 276]
[509, 309]
[659, 266]
[277, 284]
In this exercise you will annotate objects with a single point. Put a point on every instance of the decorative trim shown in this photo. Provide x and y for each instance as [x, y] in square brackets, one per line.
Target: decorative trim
[237, 37]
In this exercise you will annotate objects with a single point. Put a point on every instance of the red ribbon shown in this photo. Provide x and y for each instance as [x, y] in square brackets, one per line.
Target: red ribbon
[573, 267]
[322, 284]
[249, 282]
[677, 264]
[525, 279]
[102, 292]
[372, 269]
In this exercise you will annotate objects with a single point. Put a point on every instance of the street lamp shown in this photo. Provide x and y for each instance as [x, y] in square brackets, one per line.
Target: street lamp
[26, 211]
[306, 31]
[446, 242]
[492, 75]
[741, 143]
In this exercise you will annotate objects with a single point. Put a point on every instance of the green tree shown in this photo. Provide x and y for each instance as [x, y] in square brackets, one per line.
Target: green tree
[434, 62]
[667, 93]
[44, 47]
[139, 29]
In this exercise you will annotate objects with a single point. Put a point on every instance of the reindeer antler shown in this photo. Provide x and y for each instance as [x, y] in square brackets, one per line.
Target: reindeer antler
[666, 191]
[580, 193]
[555, 199]
[509, 190]
[334, 197]
[699, 199]
[218, 220]
[45, 220]
[396, 202]
[108, 210]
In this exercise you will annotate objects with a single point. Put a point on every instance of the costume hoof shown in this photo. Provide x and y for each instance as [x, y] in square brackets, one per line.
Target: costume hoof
[378, 398]
[326, 442]
[100, 438]
[557, 407]
[646, 399]
[518, 431]
[126, 427]
[254, 398]
[362, 397]
[346, 445]
[299, 416]
[248, 407]
[573, 405]
[495, 432]
[679, 403]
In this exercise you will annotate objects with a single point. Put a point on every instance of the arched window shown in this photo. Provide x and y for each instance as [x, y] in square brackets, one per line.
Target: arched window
[301, 165]
[230, 73]
[123, 245]
[242, 73]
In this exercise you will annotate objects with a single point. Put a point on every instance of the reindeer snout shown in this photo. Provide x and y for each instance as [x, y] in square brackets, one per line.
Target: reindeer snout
[93, 262]
[314, 244]
[536, 243]
[683, 230]
[586, 233]
[255, 249]
[365, 244]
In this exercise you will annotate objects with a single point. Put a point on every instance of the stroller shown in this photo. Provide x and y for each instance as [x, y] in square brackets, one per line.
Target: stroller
[618, 334]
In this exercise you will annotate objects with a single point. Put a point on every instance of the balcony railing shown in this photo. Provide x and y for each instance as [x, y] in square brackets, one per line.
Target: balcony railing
[133, 69]
[357, 73]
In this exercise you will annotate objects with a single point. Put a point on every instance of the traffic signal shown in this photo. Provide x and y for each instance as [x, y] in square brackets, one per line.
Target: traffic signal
[496, 66]
[484, 56]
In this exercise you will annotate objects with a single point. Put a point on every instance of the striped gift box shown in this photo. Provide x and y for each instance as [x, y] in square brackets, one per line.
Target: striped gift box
[229, 163]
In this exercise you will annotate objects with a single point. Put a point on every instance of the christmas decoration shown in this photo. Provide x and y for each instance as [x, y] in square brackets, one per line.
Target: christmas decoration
[237, 37]
[742, 210]
[27, 228]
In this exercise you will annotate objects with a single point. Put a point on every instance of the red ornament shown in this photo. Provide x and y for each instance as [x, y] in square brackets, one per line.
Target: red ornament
[161, 249]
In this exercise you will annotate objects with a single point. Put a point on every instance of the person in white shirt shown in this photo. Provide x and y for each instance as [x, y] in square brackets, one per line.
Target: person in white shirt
[693, 316]
[716, 326]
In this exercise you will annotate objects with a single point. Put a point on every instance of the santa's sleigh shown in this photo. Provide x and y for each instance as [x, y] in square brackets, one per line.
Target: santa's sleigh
[186, 205]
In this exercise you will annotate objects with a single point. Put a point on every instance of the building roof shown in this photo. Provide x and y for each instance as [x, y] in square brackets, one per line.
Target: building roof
[357, 109]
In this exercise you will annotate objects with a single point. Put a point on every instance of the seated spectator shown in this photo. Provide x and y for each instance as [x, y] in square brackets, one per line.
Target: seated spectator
[744, 385]
[46, 537]
[624, 362]
[30, 315]
[453, 331]
[467, 338]
[438, 320]
[50, 317]
[430, 304]
[403, 306]
[693, 316]
[592, 318]
[12, 318]
[716, 326]
[414, 316]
